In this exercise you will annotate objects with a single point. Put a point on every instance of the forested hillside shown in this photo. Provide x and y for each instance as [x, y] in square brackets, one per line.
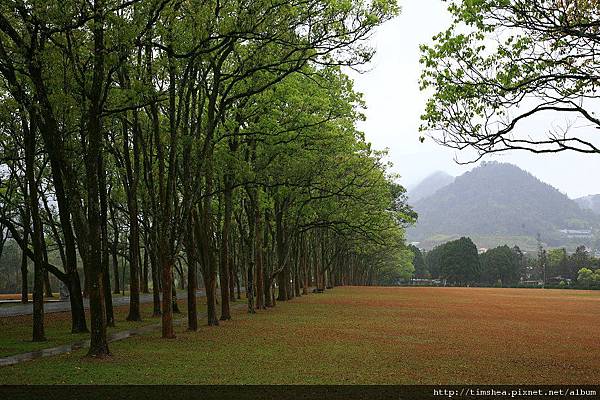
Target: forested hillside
[498, 199]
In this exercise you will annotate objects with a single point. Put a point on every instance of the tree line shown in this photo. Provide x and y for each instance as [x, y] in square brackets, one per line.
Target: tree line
[185, 135]
[457, 262]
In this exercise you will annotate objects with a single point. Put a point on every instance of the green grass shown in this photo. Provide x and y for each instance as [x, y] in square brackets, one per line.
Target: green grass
[15, 332]
[354, 335]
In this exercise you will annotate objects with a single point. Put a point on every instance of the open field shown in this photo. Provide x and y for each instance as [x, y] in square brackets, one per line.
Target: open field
[364, 335]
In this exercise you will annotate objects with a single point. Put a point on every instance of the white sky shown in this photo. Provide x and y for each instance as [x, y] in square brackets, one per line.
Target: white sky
[395, 104]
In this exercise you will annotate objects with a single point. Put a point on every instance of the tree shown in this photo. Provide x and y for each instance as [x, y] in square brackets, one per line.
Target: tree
[418, 262]
[557, 263]
[585, 277]
[579, 259]
[433, 261]
[501, 264]
[459, 262]
[502, 63]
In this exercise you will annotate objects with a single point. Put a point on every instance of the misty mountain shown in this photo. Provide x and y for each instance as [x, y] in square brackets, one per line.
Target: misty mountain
[591, 202]
[429, 186]
[499, 200]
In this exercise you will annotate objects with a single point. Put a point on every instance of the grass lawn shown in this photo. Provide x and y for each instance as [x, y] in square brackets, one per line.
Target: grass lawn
[15, 332]
[363, 335]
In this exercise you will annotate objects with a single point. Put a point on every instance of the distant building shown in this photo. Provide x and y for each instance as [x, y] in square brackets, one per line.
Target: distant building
[559, 279]
[577, 233]
[481, 250]
[532, 283]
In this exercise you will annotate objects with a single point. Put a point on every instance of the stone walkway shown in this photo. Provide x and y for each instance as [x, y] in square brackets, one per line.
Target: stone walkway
[67, 348]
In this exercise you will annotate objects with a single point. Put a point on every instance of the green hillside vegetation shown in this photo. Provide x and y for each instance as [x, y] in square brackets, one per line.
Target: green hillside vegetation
[500, 201]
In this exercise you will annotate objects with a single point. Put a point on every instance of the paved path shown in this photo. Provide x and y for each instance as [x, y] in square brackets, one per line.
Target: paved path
[14, 310]
[67, 348]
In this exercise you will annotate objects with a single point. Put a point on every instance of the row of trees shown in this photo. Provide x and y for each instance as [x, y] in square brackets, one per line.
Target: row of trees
[559, 263]
[185, 135]
[458, 262]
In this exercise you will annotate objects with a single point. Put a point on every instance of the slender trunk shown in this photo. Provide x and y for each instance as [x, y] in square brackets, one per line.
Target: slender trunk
[297, 280]
[237, 284]
[176, 309]
[145, 288]
[283, 276]
[115, 263]
[191, 298]
[167, 299]
[98, 342]
[115, 250]
[192, 279]
[209, 273]
[110, 317]
[260, 277]
[231, 281]
[130, 183]
[47, 286]
[251, 257]
[224, 264]
[155, 286]
[37, 237]
[24, 263]
[210, 286]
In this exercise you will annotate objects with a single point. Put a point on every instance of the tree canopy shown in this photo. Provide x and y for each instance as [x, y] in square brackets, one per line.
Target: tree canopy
[183, 135]
[502, 63]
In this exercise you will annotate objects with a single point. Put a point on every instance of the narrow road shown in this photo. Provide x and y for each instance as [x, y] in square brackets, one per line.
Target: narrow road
[14, 310]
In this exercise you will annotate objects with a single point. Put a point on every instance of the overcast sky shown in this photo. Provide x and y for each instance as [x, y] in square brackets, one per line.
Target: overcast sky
[395, 103]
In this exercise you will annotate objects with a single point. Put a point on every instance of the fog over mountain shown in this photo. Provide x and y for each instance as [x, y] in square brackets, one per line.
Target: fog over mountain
[429, 186]
[590, 202]
[498, 202]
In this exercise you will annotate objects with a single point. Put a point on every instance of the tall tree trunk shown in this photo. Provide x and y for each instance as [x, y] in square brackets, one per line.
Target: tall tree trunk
[250, 257]
[47, 285]
[283, 278]
[303, 264]
[132, 173]
[297, 279]
[155, 286]
[192, 279]
[258, 253]
[145, 288]
[176, 309]
[115, 251]
[24, 263]
[98, 342]
[209, 273]
[110, 316]
[36, 234]
[191, 300]
[166, 264]
[224, 264]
